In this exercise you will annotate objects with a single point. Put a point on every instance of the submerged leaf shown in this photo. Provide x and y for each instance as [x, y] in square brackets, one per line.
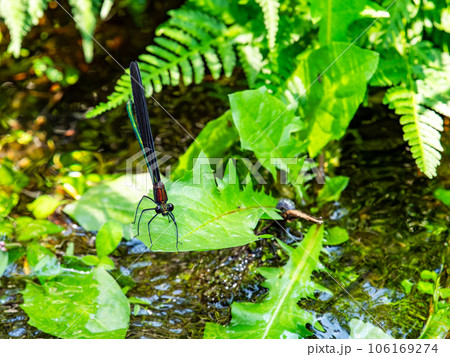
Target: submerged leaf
[78, 305]
[278, 315]
[361, 329]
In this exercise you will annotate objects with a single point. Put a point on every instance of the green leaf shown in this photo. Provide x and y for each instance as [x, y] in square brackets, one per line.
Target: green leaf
[428, 275]
[363, 330]
[43, 206]
[11, 184]
[28, 228]
[332, 102]
[438, 325]
[407, 285]
[336, 16]
[78, 305]
[336, 236]
[3, 262]
[111, 201]
[108, 238]
[90, 260]
[266, 126]
[278, 315]
[426, 287]
[42, 261]
[214, 140]
[209, 215]
[332, 189]
[442, 195]
[106, 263]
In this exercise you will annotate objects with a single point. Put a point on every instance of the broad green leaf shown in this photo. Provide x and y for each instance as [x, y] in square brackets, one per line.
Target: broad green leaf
[442, 195]
[332, 189]
[425, 287]
[278, 315]
[214, 140]
[78, 305]
[407, 285]
[360, 329]
[111, 201]
[336, 236]
[333, 100]
[209, 215]
[28, 228]
[428, 275]
[42, 261]
[3, 262]
[265, 125]
[43, 206]
[108, 238]
[336, 16]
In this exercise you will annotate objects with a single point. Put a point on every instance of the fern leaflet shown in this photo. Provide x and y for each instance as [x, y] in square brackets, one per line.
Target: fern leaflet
[421, 127]
[186, 44]
[271, 19]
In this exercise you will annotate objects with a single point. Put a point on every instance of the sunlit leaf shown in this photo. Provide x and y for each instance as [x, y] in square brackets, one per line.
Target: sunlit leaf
[333, 98]
[28, 228]
[3, 262]
[266, 127]
[108, 238]
[78, 305]
[336, 236]
[332, 189]
[278, 315]
[43, 206]
[442, 195]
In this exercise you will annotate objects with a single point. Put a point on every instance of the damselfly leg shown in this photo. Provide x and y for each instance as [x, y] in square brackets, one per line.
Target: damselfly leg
[137, 208]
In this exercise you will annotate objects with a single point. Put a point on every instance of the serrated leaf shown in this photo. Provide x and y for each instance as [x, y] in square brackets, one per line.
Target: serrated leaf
[220, 130]
[78, 305]
[209, 215]
[278, 315]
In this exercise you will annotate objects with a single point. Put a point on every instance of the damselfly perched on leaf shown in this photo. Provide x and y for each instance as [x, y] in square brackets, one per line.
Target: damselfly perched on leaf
[143, 131]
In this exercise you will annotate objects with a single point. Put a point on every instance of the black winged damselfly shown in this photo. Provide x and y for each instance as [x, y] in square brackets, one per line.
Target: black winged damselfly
[143, 131]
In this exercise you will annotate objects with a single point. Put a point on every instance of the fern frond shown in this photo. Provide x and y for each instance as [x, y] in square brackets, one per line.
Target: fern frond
[19, 16]
[252, 62]
[271, 19]
[421, 127]
[186, 44]
[84, 13]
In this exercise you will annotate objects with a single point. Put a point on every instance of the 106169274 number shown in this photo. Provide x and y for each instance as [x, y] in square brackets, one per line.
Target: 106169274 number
[402, 348]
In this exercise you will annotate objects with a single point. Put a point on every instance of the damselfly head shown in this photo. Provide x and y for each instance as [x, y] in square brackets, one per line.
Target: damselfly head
[164, 208]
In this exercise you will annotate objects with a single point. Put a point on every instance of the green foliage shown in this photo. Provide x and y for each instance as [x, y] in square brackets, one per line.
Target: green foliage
[272, 128]
[438, 323]
[21, 15]
[336, 236]
[332, 102]
[11, 184]
[278, 315]
[28, 228]
[365, 330]
[211, 214]
[108, 238]
[271, 19]
[442, 195]
[43, 206]
[332, 189]
[3, 262]
[220, 130]
[66, 76]
[421, 127]
[78, 305]
[186, 42]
